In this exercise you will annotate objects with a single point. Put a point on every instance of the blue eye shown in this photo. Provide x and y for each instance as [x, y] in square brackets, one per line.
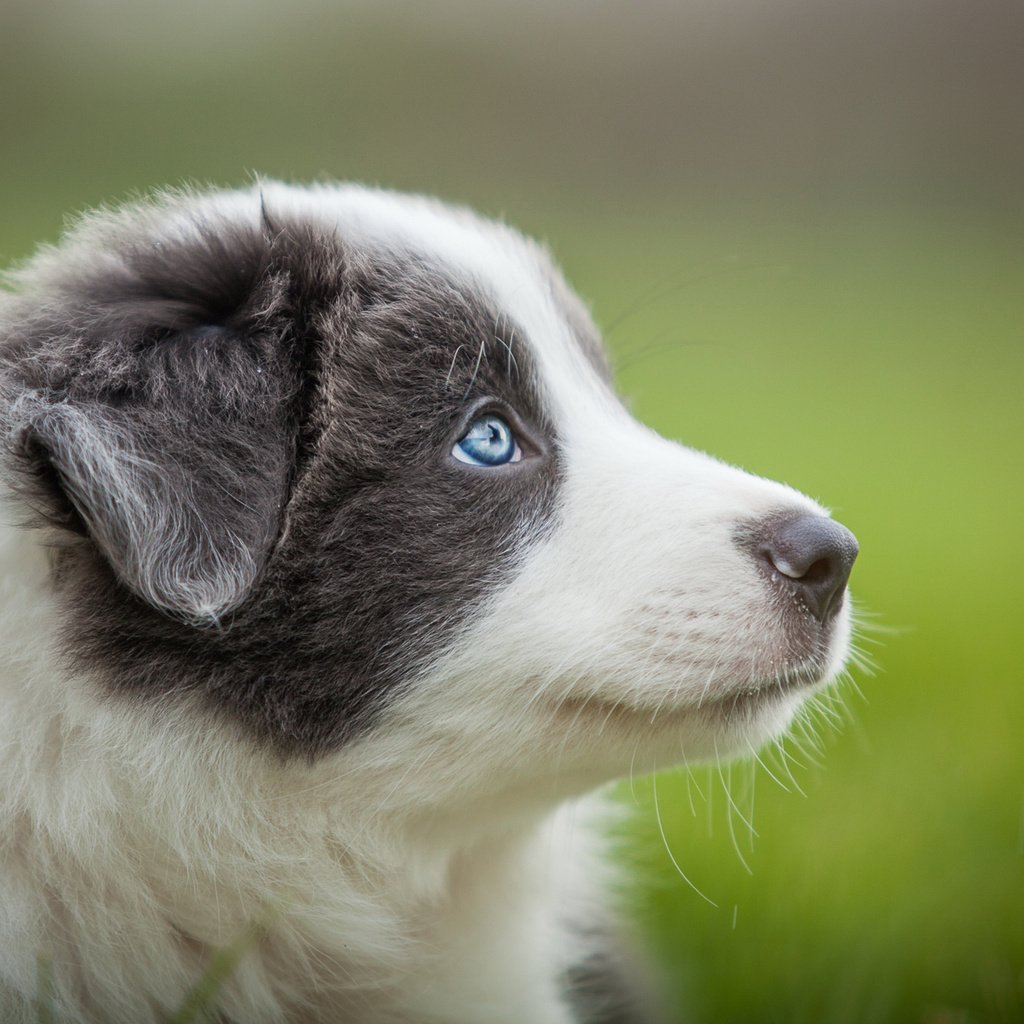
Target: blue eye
[488, 442]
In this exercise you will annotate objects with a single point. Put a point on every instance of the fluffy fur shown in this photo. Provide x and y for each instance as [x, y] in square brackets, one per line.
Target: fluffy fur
[277, 668]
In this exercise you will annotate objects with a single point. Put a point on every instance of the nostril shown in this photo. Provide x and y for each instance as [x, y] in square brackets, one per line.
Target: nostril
[820, 571]
[815, 555]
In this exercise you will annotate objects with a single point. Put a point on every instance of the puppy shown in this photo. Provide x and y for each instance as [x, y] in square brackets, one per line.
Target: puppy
[332, 570]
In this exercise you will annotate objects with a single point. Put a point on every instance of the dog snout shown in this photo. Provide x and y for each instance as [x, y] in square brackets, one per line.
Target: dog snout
[811, 556]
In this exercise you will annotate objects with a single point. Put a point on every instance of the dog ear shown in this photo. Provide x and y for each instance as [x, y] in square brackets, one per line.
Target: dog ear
[178, 471]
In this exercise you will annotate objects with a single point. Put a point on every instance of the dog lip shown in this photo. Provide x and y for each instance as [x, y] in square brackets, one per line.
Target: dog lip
[738, 696]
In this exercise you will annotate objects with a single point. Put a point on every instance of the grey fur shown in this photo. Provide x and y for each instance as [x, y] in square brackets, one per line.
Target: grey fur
[242, 438]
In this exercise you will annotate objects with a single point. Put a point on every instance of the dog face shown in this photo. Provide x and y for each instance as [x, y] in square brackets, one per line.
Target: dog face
[344, 470]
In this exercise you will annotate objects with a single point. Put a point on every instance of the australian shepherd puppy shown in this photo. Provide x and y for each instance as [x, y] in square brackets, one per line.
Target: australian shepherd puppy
[333, 573]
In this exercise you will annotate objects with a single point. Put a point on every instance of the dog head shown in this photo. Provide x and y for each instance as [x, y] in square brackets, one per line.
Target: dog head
[345, 470]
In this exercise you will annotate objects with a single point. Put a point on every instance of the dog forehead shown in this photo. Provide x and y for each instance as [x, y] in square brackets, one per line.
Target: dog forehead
[510, 273]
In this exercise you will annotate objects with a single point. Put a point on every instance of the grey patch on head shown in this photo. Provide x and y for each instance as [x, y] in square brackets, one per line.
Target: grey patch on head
[240, 436]
[153, 421]
[189, 535]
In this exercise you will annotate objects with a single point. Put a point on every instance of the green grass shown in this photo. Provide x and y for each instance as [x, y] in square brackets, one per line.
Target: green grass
[200, 1005]
[876, 363]
[44, 991]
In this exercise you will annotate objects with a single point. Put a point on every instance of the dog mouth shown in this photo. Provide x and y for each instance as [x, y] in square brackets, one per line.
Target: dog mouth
[799, 681]
[736, 701]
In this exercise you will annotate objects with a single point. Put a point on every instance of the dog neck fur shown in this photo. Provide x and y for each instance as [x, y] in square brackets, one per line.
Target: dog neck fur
[127, 831]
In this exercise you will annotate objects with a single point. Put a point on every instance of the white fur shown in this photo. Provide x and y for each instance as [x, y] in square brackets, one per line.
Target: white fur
[423, 872]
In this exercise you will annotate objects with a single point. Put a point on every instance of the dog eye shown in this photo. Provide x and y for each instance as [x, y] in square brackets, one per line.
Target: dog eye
[488, 442]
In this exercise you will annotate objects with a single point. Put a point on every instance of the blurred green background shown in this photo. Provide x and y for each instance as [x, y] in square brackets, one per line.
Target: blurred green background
[800, 223]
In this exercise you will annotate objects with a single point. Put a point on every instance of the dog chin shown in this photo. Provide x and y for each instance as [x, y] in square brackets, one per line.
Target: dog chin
[760, 712]
[735, 721]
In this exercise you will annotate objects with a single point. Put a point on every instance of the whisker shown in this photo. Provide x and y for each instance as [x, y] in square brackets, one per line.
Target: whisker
[672, 284]
[729, 812]
[476, 368]
[451, 369]
[668, 849]
[757, 757]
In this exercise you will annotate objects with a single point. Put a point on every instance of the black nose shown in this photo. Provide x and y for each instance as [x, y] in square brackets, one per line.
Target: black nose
[813, 556]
